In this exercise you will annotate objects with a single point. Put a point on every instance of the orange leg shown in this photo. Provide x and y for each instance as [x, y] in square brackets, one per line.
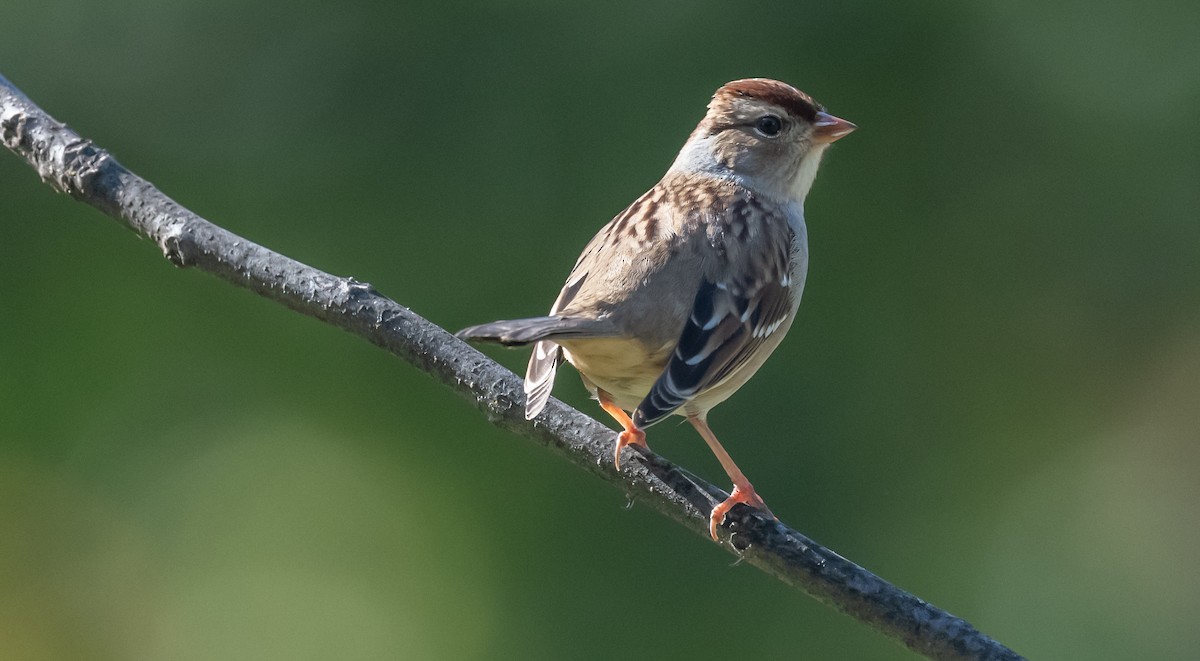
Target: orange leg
[743, 492]
[631, 434]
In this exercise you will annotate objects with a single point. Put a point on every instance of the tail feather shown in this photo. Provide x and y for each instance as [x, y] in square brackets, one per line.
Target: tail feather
[519, 332]
[539, 378]
[547, 354]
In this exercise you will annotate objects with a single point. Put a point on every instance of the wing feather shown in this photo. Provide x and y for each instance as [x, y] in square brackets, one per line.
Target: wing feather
[734, 313]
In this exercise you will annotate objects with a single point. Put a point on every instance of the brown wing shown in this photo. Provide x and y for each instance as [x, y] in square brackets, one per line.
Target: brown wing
[746, 300]
[608, 248]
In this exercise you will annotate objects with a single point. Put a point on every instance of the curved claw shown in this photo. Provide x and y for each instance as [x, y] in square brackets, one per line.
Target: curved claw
[631, 434]
[745, 496]
[629, 437]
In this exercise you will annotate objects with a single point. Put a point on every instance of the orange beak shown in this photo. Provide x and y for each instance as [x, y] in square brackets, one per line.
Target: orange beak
[830, 128]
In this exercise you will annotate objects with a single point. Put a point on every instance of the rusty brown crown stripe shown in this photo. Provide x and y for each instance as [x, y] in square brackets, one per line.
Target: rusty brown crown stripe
[772, 91]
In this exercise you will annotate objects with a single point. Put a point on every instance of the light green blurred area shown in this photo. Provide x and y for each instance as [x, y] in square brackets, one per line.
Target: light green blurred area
[989, 398]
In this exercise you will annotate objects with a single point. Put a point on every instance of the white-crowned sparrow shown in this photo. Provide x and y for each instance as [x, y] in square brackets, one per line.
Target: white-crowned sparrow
[679, 299]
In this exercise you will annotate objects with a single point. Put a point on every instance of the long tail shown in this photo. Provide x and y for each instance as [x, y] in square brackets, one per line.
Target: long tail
[519, 332]
[543, 364]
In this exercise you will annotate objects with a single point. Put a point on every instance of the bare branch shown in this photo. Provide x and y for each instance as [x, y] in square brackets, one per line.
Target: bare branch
[77, 167]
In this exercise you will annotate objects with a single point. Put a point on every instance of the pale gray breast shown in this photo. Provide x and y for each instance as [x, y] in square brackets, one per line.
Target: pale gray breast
[799, 250]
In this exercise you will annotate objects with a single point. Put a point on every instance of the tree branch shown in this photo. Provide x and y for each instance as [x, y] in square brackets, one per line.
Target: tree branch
[75, 166]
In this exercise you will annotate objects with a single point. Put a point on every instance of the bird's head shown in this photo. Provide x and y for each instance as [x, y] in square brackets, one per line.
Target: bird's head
[766, 135]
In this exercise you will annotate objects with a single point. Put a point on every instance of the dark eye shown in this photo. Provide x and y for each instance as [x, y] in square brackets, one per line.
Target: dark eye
[769, 125]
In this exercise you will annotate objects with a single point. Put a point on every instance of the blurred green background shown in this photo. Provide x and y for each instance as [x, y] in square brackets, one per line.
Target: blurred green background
[990, 396]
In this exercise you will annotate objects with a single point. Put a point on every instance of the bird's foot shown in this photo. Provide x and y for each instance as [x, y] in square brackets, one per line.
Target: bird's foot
[745, 496]
[632, 436]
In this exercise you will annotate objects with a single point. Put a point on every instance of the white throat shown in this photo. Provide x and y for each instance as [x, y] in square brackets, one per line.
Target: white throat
[806, 173]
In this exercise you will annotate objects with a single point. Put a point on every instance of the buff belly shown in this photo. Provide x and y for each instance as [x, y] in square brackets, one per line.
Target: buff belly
[624, 368]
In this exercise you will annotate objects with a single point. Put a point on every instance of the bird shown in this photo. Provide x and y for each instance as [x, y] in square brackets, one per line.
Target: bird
[681, 297]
